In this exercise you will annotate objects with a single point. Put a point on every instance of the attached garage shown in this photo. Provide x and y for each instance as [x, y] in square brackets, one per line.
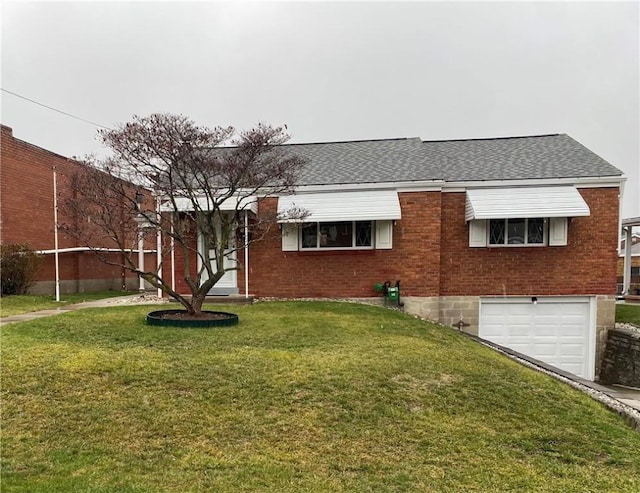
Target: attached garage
[559, 331]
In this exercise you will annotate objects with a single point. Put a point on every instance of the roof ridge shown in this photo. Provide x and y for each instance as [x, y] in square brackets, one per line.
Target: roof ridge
[492, 138]
[349, 141]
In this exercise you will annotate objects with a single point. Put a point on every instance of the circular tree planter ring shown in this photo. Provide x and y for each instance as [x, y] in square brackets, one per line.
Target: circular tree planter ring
[180, 318]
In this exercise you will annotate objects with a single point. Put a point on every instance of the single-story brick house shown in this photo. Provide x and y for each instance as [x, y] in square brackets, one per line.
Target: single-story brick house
[516, 237]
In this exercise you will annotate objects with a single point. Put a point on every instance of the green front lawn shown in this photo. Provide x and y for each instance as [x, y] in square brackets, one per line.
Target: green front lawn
[628, 314]
[24, 303]
[300, 397]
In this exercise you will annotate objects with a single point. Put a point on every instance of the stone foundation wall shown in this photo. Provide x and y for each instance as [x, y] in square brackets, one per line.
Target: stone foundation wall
[621, 362]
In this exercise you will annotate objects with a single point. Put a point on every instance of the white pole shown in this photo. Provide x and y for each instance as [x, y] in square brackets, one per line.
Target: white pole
[140, 257]
[246, 255]
[55, 229]
[158, 244]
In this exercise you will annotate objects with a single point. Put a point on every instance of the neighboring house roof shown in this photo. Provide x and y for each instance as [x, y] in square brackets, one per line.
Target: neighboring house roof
[635, 251]
[635, 246]
[407, 160]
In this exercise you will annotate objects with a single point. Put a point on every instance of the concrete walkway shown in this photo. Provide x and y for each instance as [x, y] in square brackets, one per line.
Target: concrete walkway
[623, 400]
[133, 299]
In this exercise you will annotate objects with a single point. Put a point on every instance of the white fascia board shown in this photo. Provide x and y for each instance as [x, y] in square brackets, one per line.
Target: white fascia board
[582, 182]
[413, 186]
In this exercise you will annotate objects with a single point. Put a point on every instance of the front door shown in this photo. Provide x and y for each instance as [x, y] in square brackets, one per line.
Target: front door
[228, 284]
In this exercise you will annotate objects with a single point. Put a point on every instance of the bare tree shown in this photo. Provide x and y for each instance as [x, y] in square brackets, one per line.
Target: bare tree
[186, 181]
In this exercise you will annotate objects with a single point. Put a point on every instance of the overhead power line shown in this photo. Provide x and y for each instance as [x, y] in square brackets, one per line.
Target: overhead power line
[54, 109]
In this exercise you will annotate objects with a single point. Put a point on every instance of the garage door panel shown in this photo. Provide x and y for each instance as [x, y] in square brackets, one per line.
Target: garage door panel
[573, 350]
[544, 350]
[547, 331]
[571, 332]
[519, 331]
[554, 331]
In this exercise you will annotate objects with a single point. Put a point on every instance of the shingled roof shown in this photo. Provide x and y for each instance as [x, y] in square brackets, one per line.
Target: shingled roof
[517, 158]
[411, 159]
[366, 161]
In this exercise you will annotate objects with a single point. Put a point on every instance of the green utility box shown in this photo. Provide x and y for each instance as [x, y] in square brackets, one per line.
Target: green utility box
[393, 294]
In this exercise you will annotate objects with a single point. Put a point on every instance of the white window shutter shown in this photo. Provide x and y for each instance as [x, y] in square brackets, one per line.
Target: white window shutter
[557, 231]
[478, 233]
[289, 237]
[384, 235]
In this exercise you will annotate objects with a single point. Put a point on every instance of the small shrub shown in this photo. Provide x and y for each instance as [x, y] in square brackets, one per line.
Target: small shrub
[18, 267]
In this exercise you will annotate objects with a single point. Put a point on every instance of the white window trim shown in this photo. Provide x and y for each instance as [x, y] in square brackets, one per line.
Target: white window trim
[555, 233]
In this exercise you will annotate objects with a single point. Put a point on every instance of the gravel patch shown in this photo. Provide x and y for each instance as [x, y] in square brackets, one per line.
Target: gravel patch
[142, 299]
[627, 326]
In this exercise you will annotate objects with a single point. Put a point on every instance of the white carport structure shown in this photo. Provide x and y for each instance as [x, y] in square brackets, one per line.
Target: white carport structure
[627, 230]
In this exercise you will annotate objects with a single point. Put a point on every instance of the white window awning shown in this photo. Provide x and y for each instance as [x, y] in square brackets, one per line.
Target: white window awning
[233, 203]
[375, 205]
[505, 203]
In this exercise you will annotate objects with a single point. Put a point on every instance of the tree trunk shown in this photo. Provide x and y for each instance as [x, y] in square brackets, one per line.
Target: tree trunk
[196, 303]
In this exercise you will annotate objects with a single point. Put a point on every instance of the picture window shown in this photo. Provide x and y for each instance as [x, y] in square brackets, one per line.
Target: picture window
[517, 231]
[337, 235]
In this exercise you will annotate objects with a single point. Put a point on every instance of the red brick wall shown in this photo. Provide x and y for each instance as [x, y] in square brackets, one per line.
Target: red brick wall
[587, 265]
[414, 259]
[26, 212]
[431, 257]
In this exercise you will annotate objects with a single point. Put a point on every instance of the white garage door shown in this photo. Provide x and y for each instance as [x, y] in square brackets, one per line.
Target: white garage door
[556, 331]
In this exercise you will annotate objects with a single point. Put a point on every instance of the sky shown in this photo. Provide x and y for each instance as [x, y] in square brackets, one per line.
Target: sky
[330, 71]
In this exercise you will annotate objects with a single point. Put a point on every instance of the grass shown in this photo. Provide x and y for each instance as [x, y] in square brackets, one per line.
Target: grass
[299, 397]
[24, 303]
[628, 314]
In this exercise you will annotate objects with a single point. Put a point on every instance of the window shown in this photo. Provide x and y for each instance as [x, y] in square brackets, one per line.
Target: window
[337, 235]
[520, 231]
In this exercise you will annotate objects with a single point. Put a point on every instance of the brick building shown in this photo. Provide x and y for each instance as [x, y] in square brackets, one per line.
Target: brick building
[27, 216]
[514, 237]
